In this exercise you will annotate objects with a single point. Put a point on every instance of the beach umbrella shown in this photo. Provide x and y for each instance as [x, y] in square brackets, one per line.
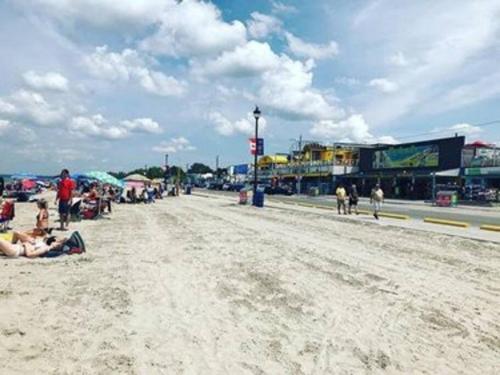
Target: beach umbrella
[137, 177]
[104, 178]
[28, 184]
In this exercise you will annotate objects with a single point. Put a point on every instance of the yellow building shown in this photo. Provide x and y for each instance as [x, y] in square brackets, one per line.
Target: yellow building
[315, 152]
[270, 161]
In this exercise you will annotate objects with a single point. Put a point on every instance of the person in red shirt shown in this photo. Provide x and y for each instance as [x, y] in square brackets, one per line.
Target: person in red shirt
[64, 196]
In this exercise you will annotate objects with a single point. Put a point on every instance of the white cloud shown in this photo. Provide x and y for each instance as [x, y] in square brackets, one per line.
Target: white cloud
[466, 129]
[287, 91]
[103, 13]
[398, 59]
[99, 126]
[250, 59]
[310, 50]
[96, 126]
[279, 7]
[486, 87]
[245, 126]
[352, 129]
[193, 28]
[160, 84]
[347, 81]
[7, 108]
[130, 66]
[4, 126]
[452, 48]
[384, 85]
[31, 106]
[262, 25]
[175, 145]
[48, 81]
[146, 125]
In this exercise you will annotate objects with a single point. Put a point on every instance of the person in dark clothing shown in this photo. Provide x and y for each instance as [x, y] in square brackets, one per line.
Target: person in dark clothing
[2, 186]
[353, 199]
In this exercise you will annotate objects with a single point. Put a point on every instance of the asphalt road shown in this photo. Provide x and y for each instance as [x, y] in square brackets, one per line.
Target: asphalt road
[475, 216]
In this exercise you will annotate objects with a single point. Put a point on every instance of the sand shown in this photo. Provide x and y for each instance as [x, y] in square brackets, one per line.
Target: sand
[196, 285]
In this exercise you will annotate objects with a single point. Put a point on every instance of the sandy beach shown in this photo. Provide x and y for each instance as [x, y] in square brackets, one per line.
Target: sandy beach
[197, 285]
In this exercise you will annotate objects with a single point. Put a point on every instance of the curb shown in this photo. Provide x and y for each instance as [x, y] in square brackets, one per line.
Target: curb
[493, 228]
[459, 224]
[393, 216]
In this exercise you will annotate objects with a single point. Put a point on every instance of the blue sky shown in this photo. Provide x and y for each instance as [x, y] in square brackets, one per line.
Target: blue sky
[117, 85]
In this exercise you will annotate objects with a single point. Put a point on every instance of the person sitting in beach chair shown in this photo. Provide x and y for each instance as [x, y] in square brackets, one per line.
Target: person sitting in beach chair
[7, 214]
[23, 244]
[75, 210]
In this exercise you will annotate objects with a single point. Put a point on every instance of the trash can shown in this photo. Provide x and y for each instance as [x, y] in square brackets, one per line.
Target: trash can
[188, 189]
[243, 196]
[258, 198]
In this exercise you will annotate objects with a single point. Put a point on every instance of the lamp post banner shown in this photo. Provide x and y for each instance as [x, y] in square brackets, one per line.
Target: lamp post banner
[257, 147]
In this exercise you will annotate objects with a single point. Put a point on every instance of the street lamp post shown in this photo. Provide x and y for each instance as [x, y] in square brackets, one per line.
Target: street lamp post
[256, 114]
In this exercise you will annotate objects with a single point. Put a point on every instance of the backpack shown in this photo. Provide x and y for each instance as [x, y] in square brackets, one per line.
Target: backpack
[73, 245]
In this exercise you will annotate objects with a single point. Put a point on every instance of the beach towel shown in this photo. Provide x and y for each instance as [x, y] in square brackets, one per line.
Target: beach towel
[6, 236]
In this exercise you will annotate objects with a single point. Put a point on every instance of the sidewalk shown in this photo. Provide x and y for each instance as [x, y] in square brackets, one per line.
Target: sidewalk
[408, 203]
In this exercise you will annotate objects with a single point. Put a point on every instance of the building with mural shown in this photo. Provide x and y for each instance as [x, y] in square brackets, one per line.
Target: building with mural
[414, 170]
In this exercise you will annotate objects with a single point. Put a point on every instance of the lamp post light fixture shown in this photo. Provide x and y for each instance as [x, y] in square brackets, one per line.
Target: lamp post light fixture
[256, 114]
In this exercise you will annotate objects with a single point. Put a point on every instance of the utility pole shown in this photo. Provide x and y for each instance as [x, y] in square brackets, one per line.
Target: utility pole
[217, 167]
[167, 173]
[299, 178]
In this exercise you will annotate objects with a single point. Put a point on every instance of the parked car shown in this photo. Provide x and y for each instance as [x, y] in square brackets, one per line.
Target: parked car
[214, 186]
[283, 190]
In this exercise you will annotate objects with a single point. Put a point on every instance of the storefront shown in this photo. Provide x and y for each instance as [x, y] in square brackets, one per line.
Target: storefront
[408, 171]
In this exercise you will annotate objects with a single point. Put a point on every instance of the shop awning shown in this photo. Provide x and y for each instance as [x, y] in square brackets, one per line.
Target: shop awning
[449, 173]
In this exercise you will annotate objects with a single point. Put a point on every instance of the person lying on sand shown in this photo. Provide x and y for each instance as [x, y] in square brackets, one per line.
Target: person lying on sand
[25, 245]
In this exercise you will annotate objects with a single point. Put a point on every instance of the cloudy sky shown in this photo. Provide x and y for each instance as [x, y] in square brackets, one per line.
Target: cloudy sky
[114, 85]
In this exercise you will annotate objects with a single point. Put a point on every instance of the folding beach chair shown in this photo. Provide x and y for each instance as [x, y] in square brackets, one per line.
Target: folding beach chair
[7, 215]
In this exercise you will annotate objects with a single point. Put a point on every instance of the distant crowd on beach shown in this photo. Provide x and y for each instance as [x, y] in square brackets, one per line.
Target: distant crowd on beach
[39, 241]
[76, 199]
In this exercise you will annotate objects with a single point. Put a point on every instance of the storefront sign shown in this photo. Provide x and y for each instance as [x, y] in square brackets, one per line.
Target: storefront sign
[406, 157]
[487, 171]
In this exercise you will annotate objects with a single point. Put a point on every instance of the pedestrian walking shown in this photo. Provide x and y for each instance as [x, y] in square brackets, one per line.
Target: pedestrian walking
[341, 196]
[353, 199]
[376, 199]
[64, 196]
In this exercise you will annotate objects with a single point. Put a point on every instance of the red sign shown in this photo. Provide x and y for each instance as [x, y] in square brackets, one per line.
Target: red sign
[257, 147]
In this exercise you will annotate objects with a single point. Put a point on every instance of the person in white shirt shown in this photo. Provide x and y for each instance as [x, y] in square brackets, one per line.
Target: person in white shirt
[376, 200]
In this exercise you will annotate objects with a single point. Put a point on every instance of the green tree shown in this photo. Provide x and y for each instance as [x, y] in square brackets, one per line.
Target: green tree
[155, 172]
[199, 168]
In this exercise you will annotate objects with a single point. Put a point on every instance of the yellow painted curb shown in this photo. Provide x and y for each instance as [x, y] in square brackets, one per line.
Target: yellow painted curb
[393, 216]
[305, 204]
[459, 224]
[493, 228]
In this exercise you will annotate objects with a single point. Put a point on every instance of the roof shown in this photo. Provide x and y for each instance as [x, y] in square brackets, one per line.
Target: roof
[137, 177]
[478, 144]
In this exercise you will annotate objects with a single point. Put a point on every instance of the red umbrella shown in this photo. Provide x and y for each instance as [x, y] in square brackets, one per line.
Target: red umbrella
[28, 184]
